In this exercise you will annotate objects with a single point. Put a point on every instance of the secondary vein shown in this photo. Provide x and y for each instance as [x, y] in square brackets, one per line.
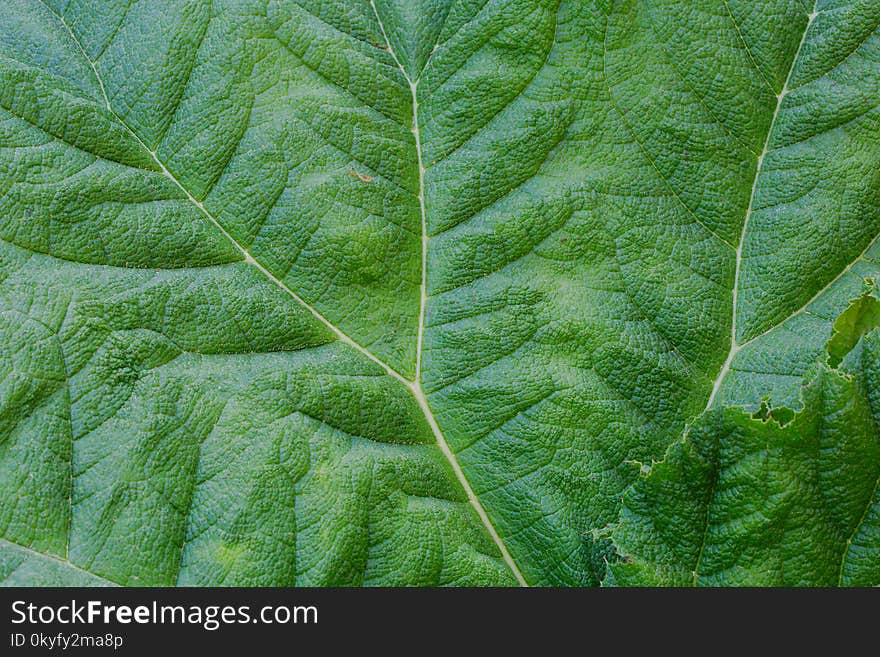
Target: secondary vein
[60, 560]
[734, 346]
[415, 386]
[249, 259]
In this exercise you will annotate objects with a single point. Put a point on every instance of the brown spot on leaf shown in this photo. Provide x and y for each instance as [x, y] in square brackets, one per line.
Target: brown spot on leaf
[364, 178]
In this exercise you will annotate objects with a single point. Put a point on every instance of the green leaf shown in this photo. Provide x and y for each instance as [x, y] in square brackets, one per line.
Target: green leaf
[780, 498]
[344, 292]
[862, 316]
[22, 567]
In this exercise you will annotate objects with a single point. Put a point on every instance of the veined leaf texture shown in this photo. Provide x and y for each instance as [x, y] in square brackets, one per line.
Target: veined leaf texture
[423, 292]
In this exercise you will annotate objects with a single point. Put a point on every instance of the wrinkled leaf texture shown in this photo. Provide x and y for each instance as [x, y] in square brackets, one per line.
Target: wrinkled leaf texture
[340, 292]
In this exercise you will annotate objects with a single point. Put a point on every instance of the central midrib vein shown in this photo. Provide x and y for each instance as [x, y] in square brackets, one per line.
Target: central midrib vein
[414, 386]
[734, 346]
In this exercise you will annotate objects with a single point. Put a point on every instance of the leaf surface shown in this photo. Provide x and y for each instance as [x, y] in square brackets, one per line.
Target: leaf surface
[780, 498]
[349, 292]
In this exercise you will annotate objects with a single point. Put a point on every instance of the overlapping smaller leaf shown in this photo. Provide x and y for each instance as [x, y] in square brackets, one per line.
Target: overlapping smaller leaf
[780, 497]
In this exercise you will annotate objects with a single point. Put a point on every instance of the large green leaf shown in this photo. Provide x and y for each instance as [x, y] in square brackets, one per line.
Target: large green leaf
[343, 292]
[776, 498]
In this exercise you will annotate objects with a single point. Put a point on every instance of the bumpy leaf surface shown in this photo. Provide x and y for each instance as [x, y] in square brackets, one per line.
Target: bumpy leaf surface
[778, 498]
[394, 292]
